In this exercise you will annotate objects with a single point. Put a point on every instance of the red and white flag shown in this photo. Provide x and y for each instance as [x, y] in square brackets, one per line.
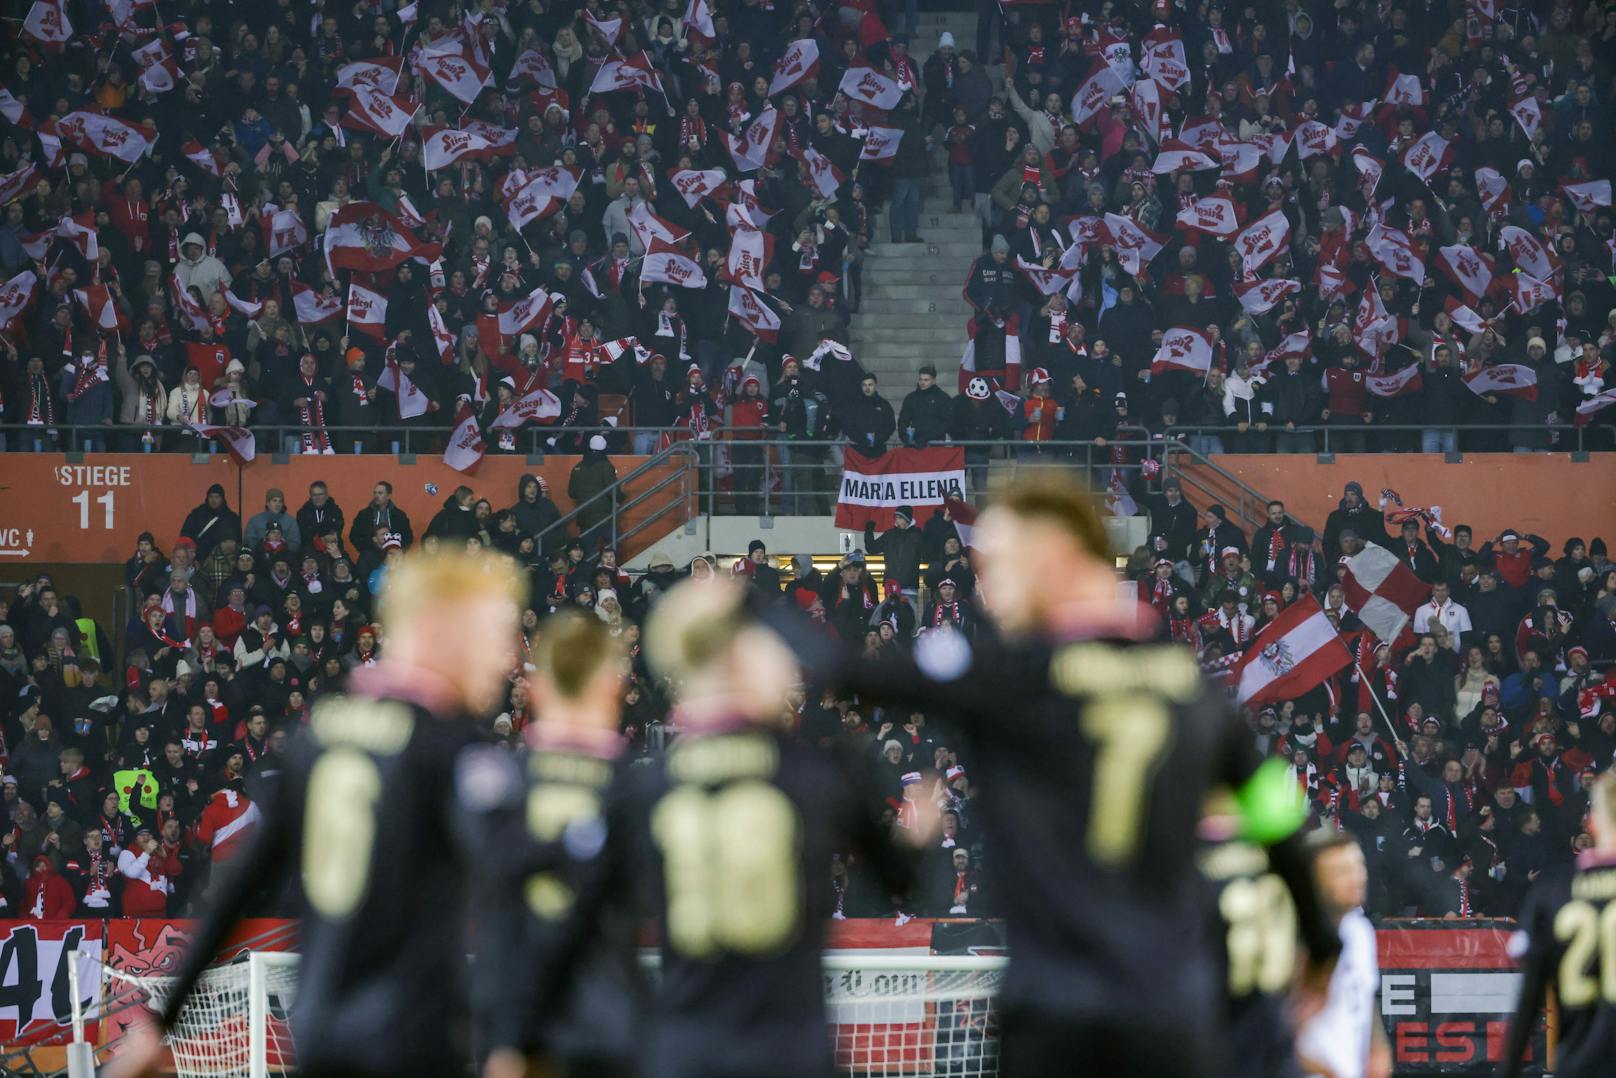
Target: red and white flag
[1404, 89]
[1012, 353]
[1095, 91]
[525, 313]
[284, 230]
[1468, 268]
[47, 21]
[1314, 138]
[442, 339]
[1493, 189]
[874, 488]
[466, 447]
[412, 401]
[1370, 169]
[1145, 100]
[822, 171]
[96, 300]
[1426, 155]
[1464, 317]
[367, 311]
[105, 135]
[1216, 215]
[881, 143]
[1261, 241]
[1528, 113]
[192, 312]
[533, 407]
[1528, 251]
[1383, 591]
[533, 64]
[798, 62]
[1351, 119]
[12, 111]
[1183, 348]
[1374, 328]
[1528, 293]
[160, 76]
[750, 252]
[608, 29]
[699, 18]
[1202, 132]
[1239, 159]
[1504, 380]
[369, 109]
[312, 306]
[669, 265]
[1587, 196]
[750, 311]
[1176, 155]
[19, 183]
[238, 442]
[16, 295]
[1261, 296]
[461, 77]
[1136, 245]
[247, 307]
[648, 227]
[1585, 411]
[1392, 248]
[378, 74]
[1402, 383]
[615, 75]
[443, 146]
[363, 236]
[694, 185]
[202, 157]
[1292, 655]
[1299, 343]
[1162, 59]
[871, 87]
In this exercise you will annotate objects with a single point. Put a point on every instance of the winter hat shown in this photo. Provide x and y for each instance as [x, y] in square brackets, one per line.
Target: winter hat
[805, 598]
[756, 545]
[907, 512]
[1000, 245]
[945, 40]
[977, 389]
[1353, 487]
[598, 443]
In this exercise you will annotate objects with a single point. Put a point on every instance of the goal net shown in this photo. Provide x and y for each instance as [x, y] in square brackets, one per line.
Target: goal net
[233, 1022]
[889, 1016]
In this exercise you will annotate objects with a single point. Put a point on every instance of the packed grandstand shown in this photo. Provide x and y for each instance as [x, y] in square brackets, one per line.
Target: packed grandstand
[622, 231]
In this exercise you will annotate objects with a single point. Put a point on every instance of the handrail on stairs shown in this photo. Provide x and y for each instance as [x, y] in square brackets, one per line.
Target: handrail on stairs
[615, 492]
[1250, 504]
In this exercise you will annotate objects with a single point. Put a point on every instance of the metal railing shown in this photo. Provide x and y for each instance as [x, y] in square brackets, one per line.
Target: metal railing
[1563, 437]
[622, 501]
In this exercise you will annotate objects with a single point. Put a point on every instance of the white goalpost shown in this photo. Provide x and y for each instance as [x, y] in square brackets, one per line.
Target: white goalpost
[890, 1016]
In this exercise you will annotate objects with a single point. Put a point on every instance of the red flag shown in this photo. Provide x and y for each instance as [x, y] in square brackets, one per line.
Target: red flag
[1162, 59]
[628, 74]
[15, 296]
[1136, 245]
[1528, 251]
[821, 171]
[1293, 655]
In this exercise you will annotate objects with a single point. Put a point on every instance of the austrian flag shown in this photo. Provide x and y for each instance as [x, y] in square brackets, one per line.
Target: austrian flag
[1294, 654]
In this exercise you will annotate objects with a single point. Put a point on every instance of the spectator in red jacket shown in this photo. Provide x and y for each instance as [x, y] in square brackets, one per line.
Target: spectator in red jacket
[49, 896]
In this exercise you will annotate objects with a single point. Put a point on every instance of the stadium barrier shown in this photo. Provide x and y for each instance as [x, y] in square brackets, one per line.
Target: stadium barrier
[1447, 987]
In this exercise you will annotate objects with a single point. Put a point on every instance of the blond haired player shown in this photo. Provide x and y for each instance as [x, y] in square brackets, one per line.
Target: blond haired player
[361, 817]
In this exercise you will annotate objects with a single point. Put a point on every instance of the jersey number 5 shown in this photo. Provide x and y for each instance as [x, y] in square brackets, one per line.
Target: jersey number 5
[1129, 731]
[339, 829]
[730, 862]
[1585, 928]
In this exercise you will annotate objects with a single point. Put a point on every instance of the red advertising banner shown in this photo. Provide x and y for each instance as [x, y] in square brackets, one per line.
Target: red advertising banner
[874, 487]
[1447, 996]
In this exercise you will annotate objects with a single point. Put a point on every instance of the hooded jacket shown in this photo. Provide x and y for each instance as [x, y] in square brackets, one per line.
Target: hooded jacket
[209, 526]
[453, 521]
[203, 272]
[532, 517]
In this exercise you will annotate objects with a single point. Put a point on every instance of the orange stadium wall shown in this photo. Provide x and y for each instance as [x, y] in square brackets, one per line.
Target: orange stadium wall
[53, 512]
[1546, 494]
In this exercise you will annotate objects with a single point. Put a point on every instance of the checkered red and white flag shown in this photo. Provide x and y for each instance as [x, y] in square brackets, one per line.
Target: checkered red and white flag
[1383, 591]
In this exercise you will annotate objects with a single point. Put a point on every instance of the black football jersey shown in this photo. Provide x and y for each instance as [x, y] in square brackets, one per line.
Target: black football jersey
[1092, 758]
[1568, 929]
[361, 817]
[729, 840]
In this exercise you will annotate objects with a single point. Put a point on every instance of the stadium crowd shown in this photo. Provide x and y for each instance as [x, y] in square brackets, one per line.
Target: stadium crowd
[1256, 223]
[1459, 756]
[1375, 217]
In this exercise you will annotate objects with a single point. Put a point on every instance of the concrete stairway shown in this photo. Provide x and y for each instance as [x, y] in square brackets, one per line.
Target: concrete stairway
[912, 311]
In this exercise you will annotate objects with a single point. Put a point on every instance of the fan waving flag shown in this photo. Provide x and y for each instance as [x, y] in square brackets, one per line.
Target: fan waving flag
[1587, 197]
[1262, 240]
[635, 71]
[667, 264]
[1402, 383]
[750, 252]
[1293, 655]
[881, 144]
[1216, 215]
[1393, 249]
[1176, 155]
[1427, 155]
[1384, 592]
[379, 74]
[371, 110]
[798, 62]
[443, 146]
[466, 447]
[239, 442]
[459, 76]
[525, 313]
[15, 296]
[1468, 268]
[1504, 380]
[1260, 297]
[107, 136]
[312, 306]
[411, 401]
[1136, 246]
[1183, 348]
[532, 407]
[47, 22]
[1528, 113]
[754, 314]
[822, 172]
[693, 185]
[871, 87]
[367, 311]
[1094, 92]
